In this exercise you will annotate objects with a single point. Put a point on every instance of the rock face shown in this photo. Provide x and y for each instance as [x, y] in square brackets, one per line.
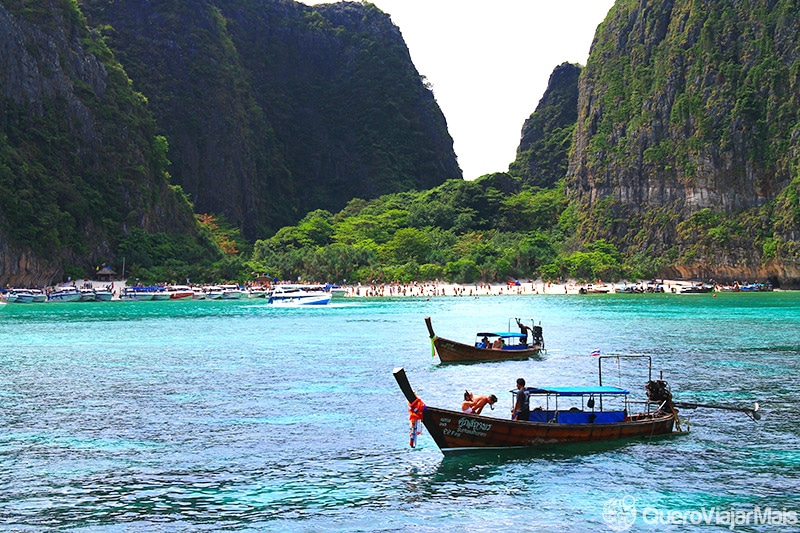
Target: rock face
[543, 152]
[80, 163]
[687, 135]
[274, 108]
[262, 110]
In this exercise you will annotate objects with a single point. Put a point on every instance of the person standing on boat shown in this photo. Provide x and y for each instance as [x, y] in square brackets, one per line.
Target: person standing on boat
[523, 329]
[521, 410]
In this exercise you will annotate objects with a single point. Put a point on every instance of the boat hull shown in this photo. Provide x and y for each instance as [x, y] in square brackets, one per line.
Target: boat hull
[136, 296]
[456, 352]
[180, 295]
[454, 431]
[23, 298]
[302, 301]
[64, 296]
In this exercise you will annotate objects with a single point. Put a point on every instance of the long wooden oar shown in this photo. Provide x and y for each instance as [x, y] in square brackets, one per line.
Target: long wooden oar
[752, 412]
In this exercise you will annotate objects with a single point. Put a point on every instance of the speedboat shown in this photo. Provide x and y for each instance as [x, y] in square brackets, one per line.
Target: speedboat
[214, 293]
[103, 295]
[23, 296]
[297, 295]
[39, 295]
[179, 292]
[8, 297]
[135, 294]
[233, 292]
[160, 293]
[65, 293]
[257, 292]
[87, 294]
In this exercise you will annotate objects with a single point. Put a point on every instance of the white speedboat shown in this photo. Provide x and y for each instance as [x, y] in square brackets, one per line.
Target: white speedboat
[87, 295]
[257, 292]
[298, 295]
[135, 294]
[179, 292]
[39, 295]
[66, 293]
[103, 295]
[233, 292]
[23, 296]
[214, 293]
[160, 293]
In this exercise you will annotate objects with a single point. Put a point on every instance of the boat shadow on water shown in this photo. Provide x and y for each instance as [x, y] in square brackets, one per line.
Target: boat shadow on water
[551, 452]
[470, 475]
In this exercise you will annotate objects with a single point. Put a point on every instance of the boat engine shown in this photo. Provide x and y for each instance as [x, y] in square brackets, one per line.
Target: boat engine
[658, 391]
[537, 336]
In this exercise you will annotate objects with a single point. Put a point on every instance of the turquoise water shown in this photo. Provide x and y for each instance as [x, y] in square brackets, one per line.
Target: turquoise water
[186, 415]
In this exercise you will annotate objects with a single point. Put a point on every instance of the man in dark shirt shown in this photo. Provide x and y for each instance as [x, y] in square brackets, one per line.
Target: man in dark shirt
[521, 409]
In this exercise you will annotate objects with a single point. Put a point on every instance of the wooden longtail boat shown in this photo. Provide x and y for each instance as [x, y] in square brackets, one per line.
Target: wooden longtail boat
[581, 417]
[514, 346]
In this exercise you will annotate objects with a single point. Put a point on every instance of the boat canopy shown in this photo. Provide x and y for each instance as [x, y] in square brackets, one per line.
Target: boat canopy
[575, 391]
[504, 334]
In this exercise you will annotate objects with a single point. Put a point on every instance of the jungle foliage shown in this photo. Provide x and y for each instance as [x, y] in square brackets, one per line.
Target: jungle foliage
[491, 229]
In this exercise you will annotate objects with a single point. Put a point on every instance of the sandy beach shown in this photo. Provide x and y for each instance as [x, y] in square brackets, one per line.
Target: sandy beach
[440, 289]
[433, 289]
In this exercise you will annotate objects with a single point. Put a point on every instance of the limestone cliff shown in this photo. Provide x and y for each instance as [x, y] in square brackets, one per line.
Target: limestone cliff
[543, 151]
[273, 108]
[80, 162]
[687, 135]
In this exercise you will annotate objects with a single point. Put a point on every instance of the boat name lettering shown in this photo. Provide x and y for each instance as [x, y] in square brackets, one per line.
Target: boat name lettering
[467, 424]
[443, 422]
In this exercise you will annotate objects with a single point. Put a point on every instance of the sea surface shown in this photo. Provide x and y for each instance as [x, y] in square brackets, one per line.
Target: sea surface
[234, 415]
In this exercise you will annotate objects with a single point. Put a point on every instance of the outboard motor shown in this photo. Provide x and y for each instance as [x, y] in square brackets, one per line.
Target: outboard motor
[537, 337]
[658, 391]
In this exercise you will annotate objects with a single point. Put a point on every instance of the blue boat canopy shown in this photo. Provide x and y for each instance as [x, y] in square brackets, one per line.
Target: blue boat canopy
[505, 335]
[575, 391]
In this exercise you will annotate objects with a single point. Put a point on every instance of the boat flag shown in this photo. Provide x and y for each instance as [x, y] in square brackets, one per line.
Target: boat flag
[596, 352]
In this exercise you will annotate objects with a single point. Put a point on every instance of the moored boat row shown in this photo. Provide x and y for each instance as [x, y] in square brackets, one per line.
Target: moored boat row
[66, 293]
[279, 295]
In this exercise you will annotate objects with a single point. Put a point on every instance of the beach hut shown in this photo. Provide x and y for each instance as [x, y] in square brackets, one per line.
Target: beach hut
[105, 274]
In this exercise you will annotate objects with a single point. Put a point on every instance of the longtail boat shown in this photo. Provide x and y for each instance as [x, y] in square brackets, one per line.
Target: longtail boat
[566, 415]
[508, 345]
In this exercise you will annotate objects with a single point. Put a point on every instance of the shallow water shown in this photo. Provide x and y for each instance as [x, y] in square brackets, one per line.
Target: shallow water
[216, 415]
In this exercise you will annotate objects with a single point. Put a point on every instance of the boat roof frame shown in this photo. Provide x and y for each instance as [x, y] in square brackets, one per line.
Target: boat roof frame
[601, 390]
[503, 334]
